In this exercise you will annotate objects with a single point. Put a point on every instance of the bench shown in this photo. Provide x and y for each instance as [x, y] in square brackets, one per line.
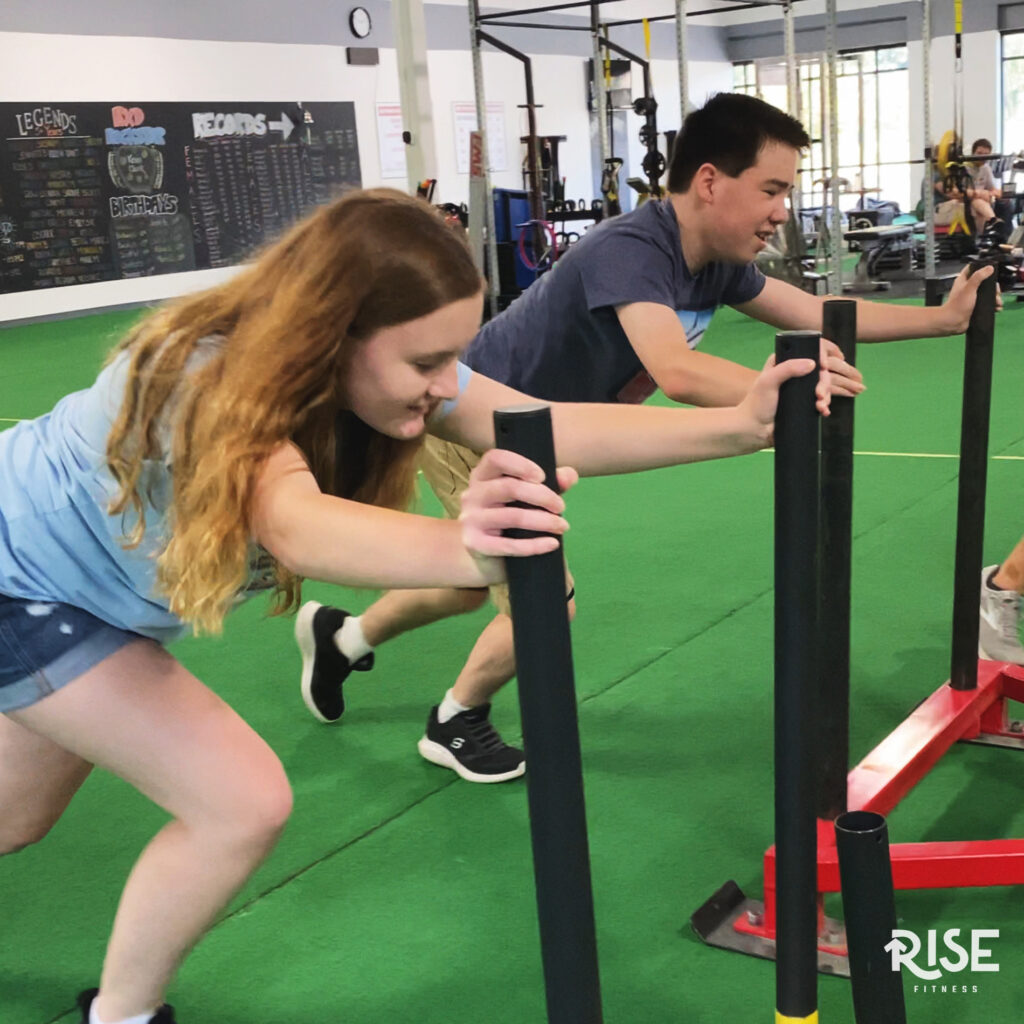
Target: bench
[875, 244]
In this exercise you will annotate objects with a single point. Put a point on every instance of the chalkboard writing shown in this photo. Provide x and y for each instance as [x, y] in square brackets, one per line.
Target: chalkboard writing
[95, 192]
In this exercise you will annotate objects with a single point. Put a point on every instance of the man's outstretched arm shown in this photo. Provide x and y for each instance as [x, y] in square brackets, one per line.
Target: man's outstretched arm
[784, 306]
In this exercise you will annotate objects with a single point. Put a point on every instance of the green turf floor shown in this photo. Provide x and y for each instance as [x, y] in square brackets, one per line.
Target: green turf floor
[401, 894]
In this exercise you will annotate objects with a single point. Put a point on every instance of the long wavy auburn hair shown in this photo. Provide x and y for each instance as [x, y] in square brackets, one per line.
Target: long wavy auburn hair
[289, 323]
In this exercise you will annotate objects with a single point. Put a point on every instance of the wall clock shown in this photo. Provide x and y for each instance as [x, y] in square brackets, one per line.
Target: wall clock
[359, 22]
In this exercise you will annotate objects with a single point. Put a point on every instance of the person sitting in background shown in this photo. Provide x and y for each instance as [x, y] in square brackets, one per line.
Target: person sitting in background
[985, 184]
[951, 202]
[1001, 601]
[983, 179]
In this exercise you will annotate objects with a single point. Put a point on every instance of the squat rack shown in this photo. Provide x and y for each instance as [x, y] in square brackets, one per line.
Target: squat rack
[932, 293]
[830, 125]
[479, 36]
[478, 25]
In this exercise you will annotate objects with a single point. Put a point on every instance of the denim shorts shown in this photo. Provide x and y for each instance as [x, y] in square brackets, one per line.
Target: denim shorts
[44, 645]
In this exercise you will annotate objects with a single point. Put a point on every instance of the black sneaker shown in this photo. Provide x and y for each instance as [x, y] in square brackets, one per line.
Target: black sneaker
[165, 1015]
[993, 234]
[324, 667]
[469, 745]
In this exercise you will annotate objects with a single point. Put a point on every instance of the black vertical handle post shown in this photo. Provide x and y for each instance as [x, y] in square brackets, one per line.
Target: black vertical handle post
[934, 289]
[554, 777]
[869, 908]
[796, 603]
[970, 514]
[839, 324]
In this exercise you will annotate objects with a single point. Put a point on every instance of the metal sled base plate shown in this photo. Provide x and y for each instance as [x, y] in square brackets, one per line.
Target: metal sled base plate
[715, 923]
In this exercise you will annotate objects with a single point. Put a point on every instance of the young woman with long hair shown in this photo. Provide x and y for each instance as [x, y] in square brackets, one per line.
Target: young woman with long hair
[237, 440]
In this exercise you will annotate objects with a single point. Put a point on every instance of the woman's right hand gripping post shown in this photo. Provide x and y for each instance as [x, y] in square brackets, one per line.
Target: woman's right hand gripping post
[501, 477]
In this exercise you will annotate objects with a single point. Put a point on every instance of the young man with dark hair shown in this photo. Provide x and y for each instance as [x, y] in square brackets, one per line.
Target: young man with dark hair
[730, 131]
[984, 180]
[618, 317]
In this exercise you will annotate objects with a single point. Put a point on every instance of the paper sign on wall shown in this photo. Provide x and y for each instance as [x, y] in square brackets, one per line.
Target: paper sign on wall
[464, 116]
[389, 140]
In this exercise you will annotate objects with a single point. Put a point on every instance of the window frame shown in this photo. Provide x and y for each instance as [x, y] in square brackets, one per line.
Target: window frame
[863, 62]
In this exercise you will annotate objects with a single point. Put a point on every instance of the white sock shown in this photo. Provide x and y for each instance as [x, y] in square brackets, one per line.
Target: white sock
[449, 708]
[350, 640]
[142, 1018]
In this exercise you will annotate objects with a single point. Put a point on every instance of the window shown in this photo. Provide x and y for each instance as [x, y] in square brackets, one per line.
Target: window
[873, 100]
[744, 78]
[1013, 93]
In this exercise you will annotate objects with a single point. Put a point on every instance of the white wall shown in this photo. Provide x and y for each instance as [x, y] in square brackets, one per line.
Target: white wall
[137, 70]
[981, 71]
[559, 92]
[121, 69]
[980, 86]
[702, 79]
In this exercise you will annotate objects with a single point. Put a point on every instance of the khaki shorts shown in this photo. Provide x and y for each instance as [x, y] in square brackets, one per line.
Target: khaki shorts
[946, 212]
[447, 466]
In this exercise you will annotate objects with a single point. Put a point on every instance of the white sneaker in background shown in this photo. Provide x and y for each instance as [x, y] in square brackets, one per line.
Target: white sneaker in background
[998, 638]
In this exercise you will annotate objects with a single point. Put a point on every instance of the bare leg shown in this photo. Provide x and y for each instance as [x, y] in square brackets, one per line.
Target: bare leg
[141, 715]
[398, 611]
[37, 781]
[492, 662]
[490, 665]
[1010, 575]
[982, 212]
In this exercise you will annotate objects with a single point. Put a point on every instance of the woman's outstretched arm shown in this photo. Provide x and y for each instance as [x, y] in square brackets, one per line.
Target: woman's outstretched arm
[322, 537]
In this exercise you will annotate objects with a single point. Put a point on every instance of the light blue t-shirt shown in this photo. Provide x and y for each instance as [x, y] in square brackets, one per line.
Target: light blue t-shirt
[57, 540]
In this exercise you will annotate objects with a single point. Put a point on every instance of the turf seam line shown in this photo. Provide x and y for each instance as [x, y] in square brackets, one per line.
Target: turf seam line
[301, 871]
[768, 590]
[746, 604]
[331, 853]
[682, 643]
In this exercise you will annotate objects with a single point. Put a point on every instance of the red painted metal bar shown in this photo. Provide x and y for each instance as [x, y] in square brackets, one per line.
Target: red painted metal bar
[950, 865]
[914, 747]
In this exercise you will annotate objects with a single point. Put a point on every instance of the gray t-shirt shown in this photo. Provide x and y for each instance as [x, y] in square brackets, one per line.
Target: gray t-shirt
[982, 176]
[561, 340]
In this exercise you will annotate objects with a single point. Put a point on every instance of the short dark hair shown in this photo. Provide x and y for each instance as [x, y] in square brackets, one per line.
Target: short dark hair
[978, 143]
[729, 131]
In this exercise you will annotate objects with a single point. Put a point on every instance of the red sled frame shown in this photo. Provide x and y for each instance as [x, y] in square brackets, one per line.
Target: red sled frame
[971, 707]
[878, 783]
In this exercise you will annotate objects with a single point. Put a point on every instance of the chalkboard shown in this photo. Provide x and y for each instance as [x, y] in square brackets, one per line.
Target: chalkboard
[96, 192]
